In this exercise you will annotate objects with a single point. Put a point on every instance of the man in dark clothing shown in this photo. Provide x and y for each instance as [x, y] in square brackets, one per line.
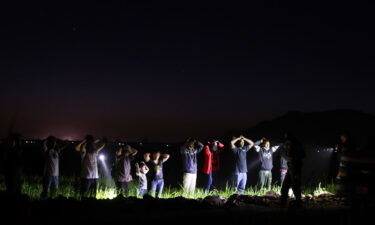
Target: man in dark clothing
[51, 166]
[189, 151]
[265, 156]
[89, 148]
[13, 164]
[122, 169]
[293, 152]
[345, 148]
[240, 153]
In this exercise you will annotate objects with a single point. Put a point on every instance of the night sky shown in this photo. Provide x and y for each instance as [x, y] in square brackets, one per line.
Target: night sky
[170, 70]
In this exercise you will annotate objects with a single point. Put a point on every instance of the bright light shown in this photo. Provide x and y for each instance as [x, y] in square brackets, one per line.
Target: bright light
[102, 157]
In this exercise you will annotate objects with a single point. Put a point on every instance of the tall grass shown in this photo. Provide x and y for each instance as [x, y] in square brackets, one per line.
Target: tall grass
[32, 186]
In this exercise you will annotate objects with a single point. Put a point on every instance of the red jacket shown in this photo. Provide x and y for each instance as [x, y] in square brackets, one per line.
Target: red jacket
[212, 160]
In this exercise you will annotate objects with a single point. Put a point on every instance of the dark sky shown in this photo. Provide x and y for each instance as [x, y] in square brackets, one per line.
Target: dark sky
[175, 69]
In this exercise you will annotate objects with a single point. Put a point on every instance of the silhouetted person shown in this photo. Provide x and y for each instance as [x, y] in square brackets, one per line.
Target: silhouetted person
[122, 174]
[240, 153]
[293, 152]
[89, 149]
[51, 151]
[156, 162]
[344, 148]
[189, 151]
[263, 147]
[13, 164]
[211, 161]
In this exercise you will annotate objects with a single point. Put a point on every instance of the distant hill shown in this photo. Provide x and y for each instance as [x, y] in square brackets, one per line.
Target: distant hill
[321, 128]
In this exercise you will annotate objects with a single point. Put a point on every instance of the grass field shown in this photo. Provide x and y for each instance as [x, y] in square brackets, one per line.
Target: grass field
[32, 186]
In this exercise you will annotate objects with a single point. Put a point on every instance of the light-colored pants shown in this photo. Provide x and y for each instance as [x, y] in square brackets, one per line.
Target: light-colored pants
[189, 182]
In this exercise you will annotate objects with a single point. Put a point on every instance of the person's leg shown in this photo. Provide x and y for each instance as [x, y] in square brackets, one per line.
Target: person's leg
[160, 187]
[296, 183]
[85, 185]
[269, 180]
[119, 188]
[192, 184]
[154, 187]
[54, 185]
[126, 187]
[262, 179]
[285, 188]
[185, 183]
[95, 185]
[282, 176]
[208, 182]
[242, 183]
[46, 186]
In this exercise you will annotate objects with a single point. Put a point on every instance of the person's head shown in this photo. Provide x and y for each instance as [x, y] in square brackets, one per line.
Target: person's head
[191, 143]
[156, 155]
[142, 167]
[241, 143]
[266, 144]
[213, 145]
[51, 142]
[89, 139]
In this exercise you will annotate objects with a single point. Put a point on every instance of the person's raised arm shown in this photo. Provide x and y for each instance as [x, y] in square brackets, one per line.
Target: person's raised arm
[233, 142]
[80, 147]
[45, 148]
[165, 157]
[200, 146]
[256, 145]
[133, 151]
[137, 172]
[250, 142]
[146, 157]
[146, 169]
[207, 151]
[274, 148]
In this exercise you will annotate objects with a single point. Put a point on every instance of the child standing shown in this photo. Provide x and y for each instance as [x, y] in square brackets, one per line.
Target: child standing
[141, 171]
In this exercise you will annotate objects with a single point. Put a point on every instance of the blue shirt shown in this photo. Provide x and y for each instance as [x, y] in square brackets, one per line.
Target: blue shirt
[240, 159]
[189, 158]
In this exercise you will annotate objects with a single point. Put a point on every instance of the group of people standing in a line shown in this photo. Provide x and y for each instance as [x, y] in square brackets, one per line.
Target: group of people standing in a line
[291, 150]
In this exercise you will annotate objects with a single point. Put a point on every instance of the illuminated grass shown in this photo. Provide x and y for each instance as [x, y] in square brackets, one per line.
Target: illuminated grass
[32, 187]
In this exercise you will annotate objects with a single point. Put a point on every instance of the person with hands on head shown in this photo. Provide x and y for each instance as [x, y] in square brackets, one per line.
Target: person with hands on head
[141, 170]
[263, 147]
[240, 153]
[212, 161]
[122, 169]
[51, 149]
[156, 163]
[89, 148]
[189, 151]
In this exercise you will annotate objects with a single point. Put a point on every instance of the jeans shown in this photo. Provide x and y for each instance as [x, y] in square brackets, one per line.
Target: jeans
[189, 182]
[265, 179]
[123, 187]
[142, 192]
[240, 180]
[50, 183]
[208, 182]
[157, 187]
[89, 187]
